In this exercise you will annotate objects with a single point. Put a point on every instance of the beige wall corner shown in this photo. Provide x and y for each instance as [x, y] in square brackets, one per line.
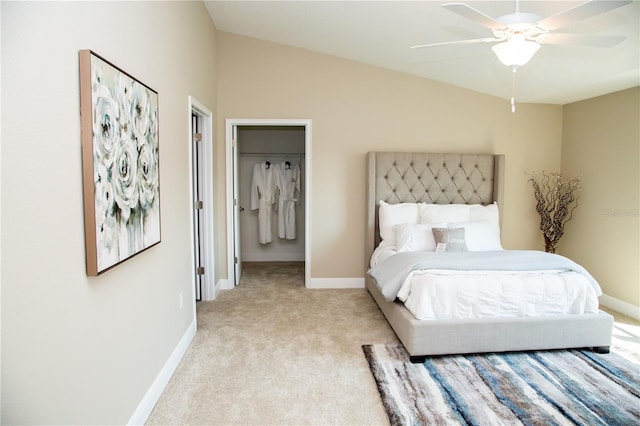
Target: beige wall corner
[601, 141]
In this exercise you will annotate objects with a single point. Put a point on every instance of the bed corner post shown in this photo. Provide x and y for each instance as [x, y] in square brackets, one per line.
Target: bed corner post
[370, 222]
[498, 182]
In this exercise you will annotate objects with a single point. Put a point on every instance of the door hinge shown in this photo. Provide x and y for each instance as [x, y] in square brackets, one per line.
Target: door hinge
[235, 202]
[235, 259]
[197, 137]
[200, 270]
[198, 205]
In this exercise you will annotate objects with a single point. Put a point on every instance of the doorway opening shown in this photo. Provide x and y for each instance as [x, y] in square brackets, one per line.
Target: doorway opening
[201, 160]
[268, 146]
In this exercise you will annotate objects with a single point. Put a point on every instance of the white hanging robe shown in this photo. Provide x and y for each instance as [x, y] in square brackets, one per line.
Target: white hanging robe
[288, 184]
[263, 191]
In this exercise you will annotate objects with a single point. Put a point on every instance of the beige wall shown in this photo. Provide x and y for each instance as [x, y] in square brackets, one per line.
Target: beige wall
[357, 108]
[80, 350]
[601, 141]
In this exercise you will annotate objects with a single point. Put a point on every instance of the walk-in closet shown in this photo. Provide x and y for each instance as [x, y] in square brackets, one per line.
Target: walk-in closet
[271, 176]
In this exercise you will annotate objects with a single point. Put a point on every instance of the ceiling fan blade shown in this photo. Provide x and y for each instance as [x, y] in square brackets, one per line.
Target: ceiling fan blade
[581, 39]
[474, 15]
[580, 12]
[470, 41]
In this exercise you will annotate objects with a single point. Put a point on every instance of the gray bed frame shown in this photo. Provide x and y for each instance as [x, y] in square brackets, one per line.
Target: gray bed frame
[401, 177]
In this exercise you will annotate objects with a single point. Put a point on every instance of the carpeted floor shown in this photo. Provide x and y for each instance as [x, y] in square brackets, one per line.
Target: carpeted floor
[271, 352]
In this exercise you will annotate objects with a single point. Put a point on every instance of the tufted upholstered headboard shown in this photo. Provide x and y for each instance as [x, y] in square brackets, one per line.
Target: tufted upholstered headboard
[404, 177]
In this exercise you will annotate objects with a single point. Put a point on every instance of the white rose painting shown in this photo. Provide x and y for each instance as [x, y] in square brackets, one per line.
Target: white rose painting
[120, 163]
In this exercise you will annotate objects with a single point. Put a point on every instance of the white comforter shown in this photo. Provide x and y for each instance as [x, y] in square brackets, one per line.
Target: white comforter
[487, 284]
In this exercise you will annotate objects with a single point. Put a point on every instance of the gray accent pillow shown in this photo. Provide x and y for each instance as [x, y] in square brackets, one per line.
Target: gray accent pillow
[452, 238]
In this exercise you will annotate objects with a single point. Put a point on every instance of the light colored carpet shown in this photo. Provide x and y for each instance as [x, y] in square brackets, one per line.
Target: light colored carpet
[626, 336]
[271, 352]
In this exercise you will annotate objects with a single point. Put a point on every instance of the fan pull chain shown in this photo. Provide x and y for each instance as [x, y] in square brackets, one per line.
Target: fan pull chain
[513, 90]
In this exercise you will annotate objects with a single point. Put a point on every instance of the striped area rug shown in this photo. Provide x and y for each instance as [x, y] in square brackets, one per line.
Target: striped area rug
[537, 388]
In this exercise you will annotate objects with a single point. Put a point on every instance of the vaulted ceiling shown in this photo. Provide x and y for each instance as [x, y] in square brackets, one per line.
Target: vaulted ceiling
[380, 33]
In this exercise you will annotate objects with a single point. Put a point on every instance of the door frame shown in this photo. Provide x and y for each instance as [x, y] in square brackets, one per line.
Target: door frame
[208, 287]
[234, 122]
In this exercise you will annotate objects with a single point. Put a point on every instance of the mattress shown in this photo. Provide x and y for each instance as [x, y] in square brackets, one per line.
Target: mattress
[507, 283]
[439, 294]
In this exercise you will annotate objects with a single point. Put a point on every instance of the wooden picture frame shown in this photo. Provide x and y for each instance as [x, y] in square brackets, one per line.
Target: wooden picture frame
[120, 163]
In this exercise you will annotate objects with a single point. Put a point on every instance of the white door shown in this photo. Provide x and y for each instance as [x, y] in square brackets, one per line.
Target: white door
[237, 258]
[201, 168]
[198, 234]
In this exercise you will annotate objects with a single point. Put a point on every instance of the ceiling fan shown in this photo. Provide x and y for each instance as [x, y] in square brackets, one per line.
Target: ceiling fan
[519, 35]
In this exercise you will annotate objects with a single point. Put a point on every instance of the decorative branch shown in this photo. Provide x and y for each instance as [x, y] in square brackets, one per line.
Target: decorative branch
[556, 200]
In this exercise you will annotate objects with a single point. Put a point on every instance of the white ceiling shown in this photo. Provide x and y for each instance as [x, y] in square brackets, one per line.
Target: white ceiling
[380, 33]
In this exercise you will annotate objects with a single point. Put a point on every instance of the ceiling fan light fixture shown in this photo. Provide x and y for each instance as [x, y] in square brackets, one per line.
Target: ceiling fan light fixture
[515, 53]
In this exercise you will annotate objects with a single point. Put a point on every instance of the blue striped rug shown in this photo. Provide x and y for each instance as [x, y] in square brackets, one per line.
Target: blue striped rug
[536, 388]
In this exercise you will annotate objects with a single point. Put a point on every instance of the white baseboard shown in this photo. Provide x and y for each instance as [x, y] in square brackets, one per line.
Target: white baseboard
[621, 306]
[142, 412]
[273, 257]
[224, 284]
[336, 283]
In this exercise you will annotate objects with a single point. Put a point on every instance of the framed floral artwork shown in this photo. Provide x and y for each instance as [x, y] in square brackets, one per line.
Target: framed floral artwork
[119, 134]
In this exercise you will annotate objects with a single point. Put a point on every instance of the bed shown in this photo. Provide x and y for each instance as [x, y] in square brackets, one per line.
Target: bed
[469, 182]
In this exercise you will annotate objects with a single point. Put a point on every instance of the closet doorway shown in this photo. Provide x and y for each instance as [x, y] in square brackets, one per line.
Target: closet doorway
[281, 143]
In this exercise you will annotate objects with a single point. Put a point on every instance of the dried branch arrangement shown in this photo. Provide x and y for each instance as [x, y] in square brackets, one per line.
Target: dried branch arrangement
[556, 199]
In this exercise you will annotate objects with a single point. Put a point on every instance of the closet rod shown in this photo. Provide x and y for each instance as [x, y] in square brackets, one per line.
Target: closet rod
[273, 154]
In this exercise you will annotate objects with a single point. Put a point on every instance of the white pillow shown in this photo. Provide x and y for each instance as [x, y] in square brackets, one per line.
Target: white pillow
[482, 235]
[395, 214]
[480, 212]
[434, 213]
[416, 236]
